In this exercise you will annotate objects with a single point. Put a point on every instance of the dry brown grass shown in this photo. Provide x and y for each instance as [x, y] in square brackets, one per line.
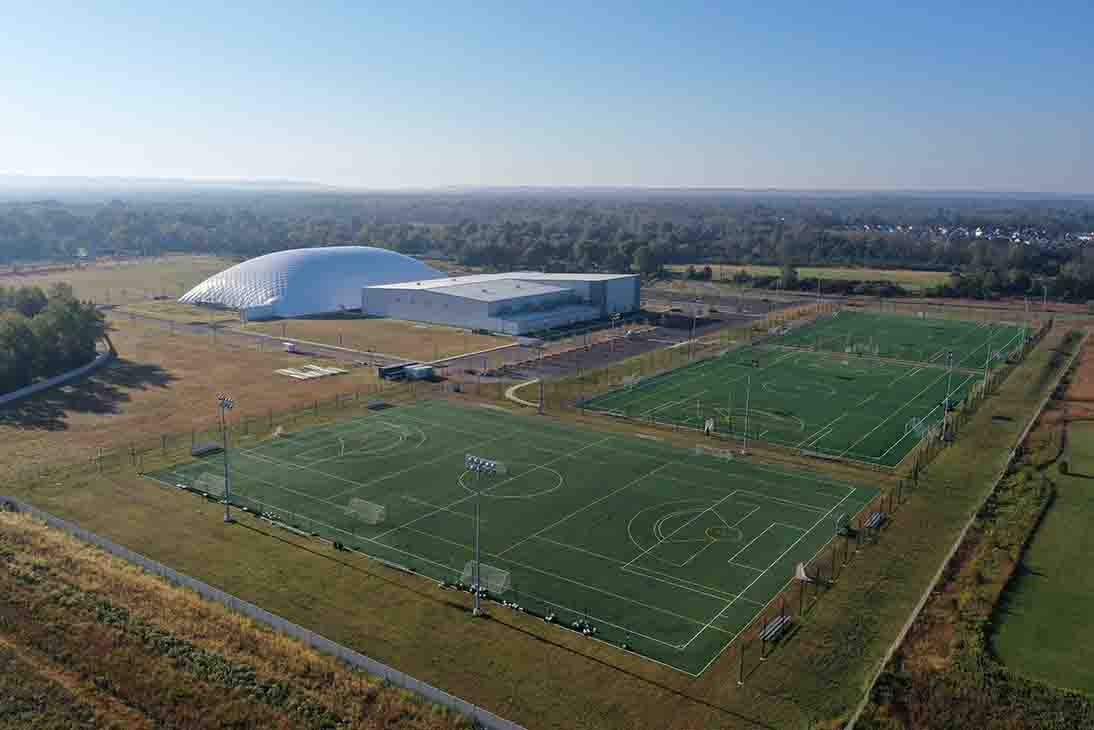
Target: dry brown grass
[171, 310]
[120, 642]
[161, 383]
[116, 281]
[412, 340]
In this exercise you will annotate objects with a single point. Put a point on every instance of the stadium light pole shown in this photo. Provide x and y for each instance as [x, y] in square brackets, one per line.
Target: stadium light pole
[479, 466]
[748, 398]
[949, 381]
[225, 404]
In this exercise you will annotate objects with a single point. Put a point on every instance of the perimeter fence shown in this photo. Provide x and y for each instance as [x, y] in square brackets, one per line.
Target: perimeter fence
[482, 717]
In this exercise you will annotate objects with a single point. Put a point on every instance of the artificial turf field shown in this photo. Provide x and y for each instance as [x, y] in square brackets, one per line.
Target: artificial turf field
[843, 404]
[901, 337]
[667, 550]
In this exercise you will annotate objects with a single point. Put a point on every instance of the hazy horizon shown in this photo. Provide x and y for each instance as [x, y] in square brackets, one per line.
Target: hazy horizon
[848, 98]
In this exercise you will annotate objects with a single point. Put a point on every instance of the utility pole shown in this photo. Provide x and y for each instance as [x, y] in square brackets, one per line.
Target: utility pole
[225, 404]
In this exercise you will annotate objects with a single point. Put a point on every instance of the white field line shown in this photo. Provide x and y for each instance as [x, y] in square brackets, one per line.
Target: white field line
[381, 450]
[430, 505]
[493, 486]
[761, 575]
[821, 432]
[596, 589]
[366, 431]
[681, 527]
[657, 389]
[711, 542]
[509, 430]
[658, 575]
[760, 495]
[670, 404]
[894, 444]
[668, 385]
[894, 413]
[585, 507]
[749, 544]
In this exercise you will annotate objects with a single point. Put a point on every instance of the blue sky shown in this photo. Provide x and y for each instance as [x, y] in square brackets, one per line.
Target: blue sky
[951, 95]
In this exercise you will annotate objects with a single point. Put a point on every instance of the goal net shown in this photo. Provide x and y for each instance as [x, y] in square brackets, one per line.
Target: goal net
[725, 454]
[368, 512]
[212, 484]
[495, 580]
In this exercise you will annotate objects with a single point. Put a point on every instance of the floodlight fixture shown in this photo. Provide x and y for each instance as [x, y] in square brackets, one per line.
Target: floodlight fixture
[225, 403]
[479, 466]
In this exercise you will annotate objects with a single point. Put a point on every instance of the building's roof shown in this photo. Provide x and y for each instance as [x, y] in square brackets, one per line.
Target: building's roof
[490, 291]
[307, 281]
[524, 276]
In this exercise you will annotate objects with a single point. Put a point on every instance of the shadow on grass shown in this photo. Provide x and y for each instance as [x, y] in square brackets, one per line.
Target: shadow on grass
[455, 605]
[102, 393]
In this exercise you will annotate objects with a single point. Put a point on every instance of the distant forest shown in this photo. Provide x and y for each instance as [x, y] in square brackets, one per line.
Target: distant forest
[1024, 243]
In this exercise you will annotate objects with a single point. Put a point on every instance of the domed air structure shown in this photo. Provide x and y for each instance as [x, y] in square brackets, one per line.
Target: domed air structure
[305, 281]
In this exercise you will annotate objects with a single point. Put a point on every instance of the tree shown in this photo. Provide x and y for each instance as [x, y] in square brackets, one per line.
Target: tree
[788, 275]
[644, 261]
[29, 301]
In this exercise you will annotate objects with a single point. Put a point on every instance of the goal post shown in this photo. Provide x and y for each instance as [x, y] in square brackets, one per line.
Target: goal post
[370, 513]
[495, 580]
[211, 483]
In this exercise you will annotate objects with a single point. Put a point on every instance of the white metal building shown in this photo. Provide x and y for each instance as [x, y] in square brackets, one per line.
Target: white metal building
[305, 281]
[514, 303]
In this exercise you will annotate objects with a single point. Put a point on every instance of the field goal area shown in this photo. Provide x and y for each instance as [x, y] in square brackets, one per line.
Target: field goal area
[799, 390]
[671, 552]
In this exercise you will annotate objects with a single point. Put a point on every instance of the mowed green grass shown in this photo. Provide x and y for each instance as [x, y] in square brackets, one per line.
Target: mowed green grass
[1046, 626]
[841, 405]
[916, 339]
[670, 552]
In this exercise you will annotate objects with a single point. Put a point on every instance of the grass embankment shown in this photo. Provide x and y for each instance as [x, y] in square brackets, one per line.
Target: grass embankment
[412, 340]
[87, 640]
[1045, 625]
[945, 673]
[126, 280]
[825, 671]
[909, 279]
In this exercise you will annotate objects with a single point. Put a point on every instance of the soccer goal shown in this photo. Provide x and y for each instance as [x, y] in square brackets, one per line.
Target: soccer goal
[725, 454]
[368, 512]
[495, 580]
[210, 483]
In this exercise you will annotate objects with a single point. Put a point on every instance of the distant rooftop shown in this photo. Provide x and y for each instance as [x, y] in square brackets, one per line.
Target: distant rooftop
[488, 291]
[524, 276]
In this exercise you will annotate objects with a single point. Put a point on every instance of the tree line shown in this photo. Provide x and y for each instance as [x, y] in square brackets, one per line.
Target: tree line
[44, 334]
[590, 231]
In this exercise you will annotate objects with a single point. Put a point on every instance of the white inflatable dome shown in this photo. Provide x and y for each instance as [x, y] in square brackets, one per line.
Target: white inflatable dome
[306, 281]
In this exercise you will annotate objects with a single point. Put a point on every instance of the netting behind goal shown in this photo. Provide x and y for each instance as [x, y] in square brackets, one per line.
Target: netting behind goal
[494, 580]
[368, 512]
[210, 483]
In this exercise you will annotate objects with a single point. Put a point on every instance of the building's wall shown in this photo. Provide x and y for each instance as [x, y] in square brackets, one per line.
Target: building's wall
[426, 306]
[603, 298]
[621, 295]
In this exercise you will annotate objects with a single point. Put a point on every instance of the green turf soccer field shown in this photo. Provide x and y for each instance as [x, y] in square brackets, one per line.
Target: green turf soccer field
[668, 550]
[835, 403]
[915, 339]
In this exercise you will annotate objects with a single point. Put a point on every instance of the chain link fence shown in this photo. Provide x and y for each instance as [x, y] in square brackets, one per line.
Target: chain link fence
[482, 717]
